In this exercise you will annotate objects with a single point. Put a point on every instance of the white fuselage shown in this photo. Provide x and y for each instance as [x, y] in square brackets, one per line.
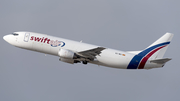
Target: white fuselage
[51, 45]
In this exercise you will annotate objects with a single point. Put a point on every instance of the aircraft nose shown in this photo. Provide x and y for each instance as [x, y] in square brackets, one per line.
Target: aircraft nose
[8, 38]
[5, 37]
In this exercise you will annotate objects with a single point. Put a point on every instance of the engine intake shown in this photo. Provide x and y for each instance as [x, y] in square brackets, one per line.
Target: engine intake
[67, 54]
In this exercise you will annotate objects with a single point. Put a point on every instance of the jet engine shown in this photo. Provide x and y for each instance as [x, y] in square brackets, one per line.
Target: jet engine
[71, 61]
[67, 54]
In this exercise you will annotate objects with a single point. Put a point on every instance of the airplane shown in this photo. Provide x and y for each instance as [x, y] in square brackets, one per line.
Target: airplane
[78, 52]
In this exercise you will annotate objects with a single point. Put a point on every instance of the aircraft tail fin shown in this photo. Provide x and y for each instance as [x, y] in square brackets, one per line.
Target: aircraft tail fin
[159, 47]
[154, 53]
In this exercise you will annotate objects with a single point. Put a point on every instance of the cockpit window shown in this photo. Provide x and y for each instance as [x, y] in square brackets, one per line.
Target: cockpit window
[15, 34]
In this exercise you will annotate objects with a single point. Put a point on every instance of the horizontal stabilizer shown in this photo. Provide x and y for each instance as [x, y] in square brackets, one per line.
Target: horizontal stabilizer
[160, 61]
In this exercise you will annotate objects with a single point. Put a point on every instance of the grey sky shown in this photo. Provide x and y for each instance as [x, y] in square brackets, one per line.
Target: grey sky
[119, 24]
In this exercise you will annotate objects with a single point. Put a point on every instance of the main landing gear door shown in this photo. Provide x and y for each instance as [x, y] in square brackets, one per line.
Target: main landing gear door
[26, 37]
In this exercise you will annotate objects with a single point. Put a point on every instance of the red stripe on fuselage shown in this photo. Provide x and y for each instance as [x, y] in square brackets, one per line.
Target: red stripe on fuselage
[144, 60]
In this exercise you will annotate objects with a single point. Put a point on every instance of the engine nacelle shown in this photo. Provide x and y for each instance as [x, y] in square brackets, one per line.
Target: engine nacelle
[71, 61]
[67, 54]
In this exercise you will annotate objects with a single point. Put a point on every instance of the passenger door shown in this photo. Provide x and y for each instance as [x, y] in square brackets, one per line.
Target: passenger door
[26, 37]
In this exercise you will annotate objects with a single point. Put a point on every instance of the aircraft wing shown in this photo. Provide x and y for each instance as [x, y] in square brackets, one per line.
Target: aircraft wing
[91, 54]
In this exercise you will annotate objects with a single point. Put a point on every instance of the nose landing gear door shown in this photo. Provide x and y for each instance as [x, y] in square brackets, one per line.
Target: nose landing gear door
[26, 37]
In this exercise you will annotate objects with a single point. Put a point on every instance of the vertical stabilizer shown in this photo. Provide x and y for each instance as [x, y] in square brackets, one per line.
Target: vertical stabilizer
[154, 53]
[162, 43]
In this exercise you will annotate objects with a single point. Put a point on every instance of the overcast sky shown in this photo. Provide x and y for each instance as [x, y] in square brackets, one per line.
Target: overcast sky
[120, 24]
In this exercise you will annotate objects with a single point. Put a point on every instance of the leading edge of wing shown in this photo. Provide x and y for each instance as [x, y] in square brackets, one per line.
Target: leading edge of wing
[91, 54]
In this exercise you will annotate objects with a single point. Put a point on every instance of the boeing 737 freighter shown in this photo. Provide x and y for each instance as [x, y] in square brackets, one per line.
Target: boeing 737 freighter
[78, 52]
